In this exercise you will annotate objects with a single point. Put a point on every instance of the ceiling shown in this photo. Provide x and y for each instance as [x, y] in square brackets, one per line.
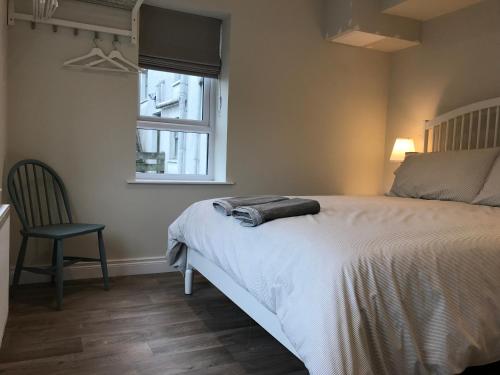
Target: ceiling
[424, 10]
[421, 10]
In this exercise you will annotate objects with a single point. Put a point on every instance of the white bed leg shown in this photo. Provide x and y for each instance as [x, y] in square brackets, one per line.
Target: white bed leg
[188, 280]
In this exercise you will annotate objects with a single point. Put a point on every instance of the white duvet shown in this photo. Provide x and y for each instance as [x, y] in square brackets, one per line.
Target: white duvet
[371, 285]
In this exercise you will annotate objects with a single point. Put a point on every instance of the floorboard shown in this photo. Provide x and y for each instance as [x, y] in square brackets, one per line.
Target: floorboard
[144, 325]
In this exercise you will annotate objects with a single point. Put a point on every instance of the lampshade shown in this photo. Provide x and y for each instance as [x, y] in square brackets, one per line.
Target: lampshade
[401, 147]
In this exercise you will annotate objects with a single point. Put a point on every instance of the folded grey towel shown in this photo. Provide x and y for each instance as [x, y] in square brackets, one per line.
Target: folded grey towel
[251, 216]
[226, 205]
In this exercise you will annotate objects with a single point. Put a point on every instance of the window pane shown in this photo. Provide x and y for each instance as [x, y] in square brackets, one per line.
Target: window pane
[170, 95]
[169, 152]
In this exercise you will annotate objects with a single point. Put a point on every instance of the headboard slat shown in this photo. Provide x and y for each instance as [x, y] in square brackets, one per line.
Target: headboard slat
[453, 144]
[462, 127]
[438, 146]
[470, 131]
[495, 139]
[447, 137]
[486, 136]
[478, 131]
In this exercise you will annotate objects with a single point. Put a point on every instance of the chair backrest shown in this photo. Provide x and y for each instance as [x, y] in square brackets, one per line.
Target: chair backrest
[38, 194]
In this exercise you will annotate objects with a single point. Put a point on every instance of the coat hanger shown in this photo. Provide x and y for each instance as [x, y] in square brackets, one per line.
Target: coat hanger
[95, 52]
[117, 56]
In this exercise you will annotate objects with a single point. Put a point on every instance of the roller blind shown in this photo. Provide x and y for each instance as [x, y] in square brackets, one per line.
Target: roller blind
[179, 42]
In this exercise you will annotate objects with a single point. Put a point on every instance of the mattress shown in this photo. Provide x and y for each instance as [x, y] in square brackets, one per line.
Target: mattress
[371, 285]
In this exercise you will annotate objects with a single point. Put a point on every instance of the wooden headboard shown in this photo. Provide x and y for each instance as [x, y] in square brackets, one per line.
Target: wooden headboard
[474, 126]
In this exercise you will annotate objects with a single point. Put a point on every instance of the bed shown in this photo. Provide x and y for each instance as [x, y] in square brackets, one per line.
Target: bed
[371, 285]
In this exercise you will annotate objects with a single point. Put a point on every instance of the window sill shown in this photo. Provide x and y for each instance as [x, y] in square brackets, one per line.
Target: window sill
[176, 182]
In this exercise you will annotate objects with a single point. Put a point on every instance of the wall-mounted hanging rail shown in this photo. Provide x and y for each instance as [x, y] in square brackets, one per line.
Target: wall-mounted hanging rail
[132, 33]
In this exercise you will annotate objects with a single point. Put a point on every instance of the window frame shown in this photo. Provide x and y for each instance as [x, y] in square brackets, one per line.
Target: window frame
[204, 126]
[143, 99]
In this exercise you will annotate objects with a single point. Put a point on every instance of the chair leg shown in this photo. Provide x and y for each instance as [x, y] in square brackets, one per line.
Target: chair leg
[54, 261]
[59, 273]
[104, 262]
[19, 264]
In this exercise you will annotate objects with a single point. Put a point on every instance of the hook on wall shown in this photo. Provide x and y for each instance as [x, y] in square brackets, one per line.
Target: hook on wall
[96, 38]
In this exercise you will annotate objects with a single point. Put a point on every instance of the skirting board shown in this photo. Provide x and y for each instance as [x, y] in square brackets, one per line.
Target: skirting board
[122, 267]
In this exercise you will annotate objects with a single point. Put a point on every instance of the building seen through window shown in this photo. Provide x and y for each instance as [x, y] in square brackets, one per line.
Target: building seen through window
[170, 102]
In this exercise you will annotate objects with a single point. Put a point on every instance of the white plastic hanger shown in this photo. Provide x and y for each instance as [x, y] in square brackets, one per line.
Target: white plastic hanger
[117, 57]
[44, 9]
[95, 52]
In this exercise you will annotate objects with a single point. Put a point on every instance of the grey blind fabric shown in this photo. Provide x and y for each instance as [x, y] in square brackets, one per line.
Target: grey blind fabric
[179, 42]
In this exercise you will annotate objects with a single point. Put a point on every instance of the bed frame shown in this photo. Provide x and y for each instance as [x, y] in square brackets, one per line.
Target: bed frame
[474, 126]
[248, 303]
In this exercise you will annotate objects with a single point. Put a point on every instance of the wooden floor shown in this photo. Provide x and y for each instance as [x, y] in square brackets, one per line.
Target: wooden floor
[143, 325]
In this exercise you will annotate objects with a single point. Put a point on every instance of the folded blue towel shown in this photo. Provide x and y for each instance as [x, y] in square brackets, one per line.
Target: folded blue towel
[226, 205]
[252, 216]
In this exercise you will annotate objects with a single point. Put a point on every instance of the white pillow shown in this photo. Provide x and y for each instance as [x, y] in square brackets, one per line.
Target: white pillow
[490, 193]
[454, 175]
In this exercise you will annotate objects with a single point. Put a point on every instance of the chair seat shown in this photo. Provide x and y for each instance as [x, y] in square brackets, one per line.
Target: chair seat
[60, 231]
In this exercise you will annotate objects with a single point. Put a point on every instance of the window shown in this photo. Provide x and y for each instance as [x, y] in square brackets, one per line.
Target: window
[176, 127]
[175, 130]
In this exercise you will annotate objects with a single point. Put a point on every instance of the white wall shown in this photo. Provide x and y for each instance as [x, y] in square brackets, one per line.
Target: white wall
[458, 63]
[3, 86]
[305, 117]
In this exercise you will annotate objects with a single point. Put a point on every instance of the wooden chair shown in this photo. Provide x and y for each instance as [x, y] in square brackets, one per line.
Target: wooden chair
[40, 199]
